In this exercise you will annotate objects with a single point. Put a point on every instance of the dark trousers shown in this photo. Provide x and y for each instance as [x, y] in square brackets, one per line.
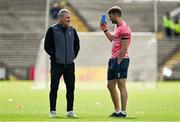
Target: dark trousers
[57, 70]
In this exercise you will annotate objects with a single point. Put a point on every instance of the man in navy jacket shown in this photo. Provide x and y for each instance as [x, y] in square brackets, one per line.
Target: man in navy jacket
[62, 45]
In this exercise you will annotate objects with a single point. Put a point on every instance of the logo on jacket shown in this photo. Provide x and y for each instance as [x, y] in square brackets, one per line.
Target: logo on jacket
[70, 33]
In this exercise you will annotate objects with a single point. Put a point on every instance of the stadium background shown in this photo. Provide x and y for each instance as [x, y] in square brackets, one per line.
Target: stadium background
[23, 24]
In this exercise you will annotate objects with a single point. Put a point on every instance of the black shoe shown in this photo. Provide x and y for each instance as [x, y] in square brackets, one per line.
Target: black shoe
[123, 115]
[113, 115]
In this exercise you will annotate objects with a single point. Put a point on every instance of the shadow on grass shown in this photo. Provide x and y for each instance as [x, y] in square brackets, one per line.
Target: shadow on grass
[64, 117]
[94, 119]
[127, 118]
[131, 118]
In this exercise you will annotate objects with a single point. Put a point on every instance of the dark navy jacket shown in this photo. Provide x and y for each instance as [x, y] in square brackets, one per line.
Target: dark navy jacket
[62, 44]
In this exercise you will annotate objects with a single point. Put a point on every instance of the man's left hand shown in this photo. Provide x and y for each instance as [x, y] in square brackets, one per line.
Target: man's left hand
[119, 60]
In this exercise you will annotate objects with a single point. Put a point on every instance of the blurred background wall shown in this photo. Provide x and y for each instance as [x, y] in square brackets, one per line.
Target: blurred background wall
[23, 24]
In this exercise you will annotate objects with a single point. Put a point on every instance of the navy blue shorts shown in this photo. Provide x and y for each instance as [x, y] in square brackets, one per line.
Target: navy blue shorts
[117, 71]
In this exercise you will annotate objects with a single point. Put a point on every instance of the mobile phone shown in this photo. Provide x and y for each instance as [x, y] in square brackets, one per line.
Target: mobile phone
[103, 18]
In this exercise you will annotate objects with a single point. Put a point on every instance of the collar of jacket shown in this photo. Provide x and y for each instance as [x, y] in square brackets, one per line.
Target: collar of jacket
[61, 26]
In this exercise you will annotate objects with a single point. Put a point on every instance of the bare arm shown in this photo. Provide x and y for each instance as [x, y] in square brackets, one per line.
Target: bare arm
[123, 50]
[107, 33]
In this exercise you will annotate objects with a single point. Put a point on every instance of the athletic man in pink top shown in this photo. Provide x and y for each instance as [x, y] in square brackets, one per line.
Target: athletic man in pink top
[119, 61]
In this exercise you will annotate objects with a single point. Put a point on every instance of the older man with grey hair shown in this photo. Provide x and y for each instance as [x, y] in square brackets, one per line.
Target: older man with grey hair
[62, 45]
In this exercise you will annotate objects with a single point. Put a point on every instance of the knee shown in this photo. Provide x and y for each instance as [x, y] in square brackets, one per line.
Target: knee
[110, 86]
[54, 89]
[122, 88]
[70, 87]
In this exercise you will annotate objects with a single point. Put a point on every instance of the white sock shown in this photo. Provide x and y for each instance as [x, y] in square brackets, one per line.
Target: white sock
[123, 112]
[117, 111]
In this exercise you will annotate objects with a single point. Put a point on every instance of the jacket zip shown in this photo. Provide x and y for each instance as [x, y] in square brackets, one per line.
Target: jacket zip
[65, 49]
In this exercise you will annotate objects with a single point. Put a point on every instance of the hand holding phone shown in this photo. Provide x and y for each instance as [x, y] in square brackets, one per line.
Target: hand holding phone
[103, 23]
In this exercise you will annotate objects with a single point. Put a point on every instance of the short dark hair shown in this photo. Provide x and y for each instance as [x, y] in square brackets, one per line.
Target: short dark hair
[115, 10]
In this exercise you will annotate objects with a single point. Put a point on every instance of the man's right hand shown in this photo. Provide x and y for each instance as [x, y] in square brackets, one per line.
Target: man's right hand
[103, 26]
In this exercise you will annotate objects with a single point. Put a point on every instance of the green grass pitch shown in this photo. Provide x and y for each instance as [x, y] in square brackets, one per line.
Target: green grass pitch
[19, 102]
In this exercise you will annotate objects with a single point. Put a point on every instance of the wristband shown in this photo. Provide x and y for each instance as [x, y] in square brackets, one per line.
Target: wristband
[106, 31]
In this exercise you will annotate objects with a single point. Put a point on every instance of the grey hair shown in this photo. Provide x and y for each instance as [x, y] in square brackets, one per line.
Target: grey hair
[62, 12]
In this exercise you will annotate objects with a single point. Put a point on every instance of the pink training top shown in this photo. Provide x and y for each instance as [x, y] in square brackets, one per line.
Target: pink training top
[122, 31]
